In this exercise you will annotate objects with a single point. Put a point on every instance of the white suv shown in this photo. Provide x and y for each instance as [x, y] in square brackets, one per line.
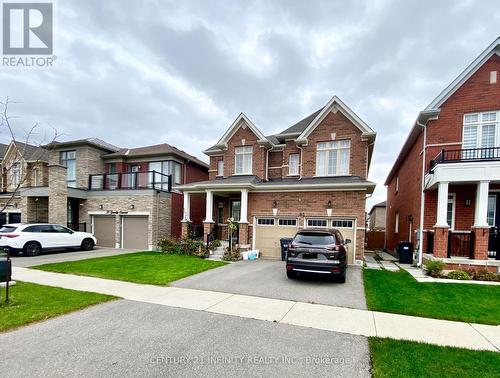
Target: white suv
[33, 238]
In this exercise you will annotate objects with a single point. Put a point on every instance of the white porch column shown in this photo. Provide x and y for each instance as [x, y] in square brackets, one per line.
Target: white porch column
[186, 217]
[442, 205]
[209, 207]
[481, 211]
[244, 206]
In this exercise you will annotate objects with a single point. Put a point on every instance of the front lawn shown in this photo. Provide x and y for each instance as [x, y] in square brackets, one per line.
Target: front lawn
[31, 302]
[154, 268]
[394, 358]
[399, 292]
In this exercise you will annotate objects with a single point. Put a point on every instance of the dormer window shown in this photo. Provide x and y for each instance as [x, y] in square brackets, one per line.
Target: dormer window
[332, 158]
[243, 160]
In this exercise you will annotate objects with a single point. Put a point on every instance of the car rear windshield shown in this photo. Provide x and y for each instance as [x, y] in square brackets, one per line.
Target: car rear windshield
[314, 238]
[8, 229]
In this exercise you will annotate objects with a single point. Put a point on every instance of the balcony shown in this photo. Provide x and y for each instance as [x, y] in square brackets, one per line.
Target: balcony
[131, 181]
[466, 155]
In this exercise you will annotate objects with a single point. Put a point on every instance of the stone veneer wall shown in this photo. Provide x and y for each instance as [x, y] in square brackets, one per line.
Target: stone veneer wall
[58, 195]
[145, 203]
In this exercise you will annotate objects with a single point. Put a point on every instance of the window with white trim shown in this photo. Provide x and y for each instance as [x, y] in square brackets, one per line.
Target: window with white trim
[293, 164]
[243, 160]
[220, 168]
[332, 158]
[480, 130]
[265, 221]
[492, 209]
[35, 177]
[16, 174]
[287, 222]
[342, 223]
[396, 223]
[317, 223]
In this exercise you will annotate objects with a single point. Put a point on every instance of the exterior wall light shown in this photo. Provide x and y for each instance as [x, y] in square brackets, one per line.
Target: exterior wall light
[467, 202]
[275, 208]
[329, 208]
[101, 207]
[131, 207]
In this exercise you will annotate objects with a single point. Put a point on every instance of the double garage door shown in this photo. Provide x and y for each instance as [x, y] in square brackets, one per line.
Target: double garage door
[133, 231]
[269, 231]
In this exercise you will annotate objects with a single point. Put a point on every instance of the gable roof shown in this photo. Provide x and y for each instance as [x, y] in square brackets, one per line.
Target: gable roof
[29, 152]
[3, 150]
[154, 150]
[222, 143]
[336, 104]
[432, 110]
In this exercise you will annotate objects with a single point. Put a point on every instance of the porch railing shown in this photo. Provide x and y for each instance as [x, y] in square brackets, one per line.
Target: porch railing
[212, 235]
[82, 227]
[461, 244]
[466, 154]
[131, 180]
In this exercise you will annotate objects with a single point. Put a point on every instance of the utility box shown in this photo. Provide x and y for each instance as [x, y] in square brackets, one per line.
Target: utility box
[5, 269]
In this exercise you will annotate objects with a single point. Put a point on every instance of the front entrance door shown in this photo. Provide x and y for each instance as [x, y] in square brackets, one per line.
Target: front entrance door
[236, 214]
[493, 217]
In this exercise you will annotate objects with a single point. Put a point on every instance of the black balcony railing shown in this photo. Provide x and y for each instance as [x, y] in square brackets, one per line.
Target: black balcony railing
[466, 154]
[461, 244]
[131, 180]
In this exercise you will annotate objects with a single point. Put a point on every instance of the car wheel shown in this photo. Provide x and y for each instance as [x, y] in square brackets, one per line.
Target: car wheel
[340, 279]
[291, 274]
[87, 244]
[32, 248]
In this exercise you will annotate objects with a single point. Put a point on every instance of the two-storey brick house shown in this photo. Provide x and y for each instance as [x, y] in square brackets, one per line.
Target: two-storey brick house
[126, 197]
[313, 174]
[446, 179]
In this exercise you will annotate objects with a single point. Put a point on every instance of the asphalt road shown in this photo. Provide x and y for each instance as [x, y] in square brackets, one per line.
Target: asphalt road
[267, 278]
[134, 339]
[62, 256]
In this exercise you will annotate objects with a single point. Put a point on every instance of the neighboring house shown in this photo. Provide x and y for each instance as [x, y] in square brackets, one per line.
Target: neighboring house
[375, 234]
[313, 174]
[22, 165]
[126, 197]
[455, 144]
[376, 217]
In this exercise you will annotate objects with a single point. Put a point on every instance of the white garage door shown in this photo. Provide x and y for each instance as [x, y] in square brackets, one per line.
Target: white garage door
[344, 225]
[135, 232]
[269, 230]
[104, 230]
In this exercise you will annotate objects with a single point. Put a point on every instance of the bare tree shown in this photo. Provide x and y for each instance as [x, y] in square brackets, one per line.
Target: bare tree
[28, 140]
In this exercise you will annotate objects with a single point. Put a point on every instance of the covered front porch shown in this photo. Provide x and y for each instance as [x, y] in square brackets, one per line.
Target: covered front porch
[220, 206]
[463, 222]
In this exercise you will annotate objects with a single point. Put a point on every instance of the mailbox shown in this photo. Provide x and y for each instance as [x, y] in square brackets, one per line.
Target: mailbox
[5, 269]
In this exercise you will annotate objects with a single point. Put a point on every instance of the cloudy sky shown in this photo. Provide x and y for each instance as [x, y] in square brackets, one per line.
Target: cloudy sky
[144, 72]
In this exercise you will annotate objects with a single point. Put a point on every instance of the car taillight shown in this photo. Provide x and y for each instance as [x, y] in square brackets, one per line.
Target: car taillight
[289, 267]
[333, 248]
[10, 235]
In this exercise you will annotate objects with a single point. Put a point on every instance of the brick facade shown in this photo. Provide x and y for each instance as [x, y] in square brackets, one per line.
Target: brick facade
[476, 94]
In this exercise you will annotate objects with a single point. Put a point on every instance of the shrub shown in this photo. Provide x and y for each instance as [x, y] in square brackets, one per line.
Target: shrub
[214, 244]
[186, 246]
[434, 268]
[485, 275]
[459, 275]
[233, 255]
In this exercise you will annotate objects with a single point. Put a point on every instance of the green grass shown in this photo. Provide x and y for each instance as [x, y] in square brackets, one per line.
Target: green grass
[393, 358]
[398, 292]
[154, 268]
[30, 303]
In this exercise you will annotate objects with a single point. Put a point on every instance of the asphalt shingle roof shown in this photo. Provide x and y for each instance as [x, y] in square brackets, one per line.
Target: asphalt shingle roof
[32, 153]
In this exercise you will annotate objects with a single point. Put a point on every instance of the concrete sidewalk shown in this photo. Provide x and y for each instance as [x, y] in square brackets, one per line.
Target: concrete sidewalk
[330, 318]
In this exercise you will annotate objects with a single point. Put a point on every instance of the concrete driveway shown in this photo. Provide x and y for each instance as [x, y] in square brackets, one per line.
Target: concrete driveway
[267, 278]
[133, 339]
[62, 256]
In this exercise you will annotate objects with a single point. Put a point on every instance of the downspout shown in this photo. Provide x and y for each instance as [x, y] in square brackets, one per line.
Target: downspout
[267, 164]
[300, 162]
[422, 199]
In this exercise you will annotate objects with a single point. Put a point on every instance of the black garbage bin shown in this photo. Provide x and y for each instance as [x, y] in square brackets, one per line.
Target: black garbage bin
[5, 269]
[284, 242]
[405, 252]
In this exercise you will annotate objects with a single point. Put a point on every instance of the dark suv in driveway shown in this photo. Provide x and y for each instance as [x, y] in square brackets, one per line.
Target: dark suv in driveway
[318, 251]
